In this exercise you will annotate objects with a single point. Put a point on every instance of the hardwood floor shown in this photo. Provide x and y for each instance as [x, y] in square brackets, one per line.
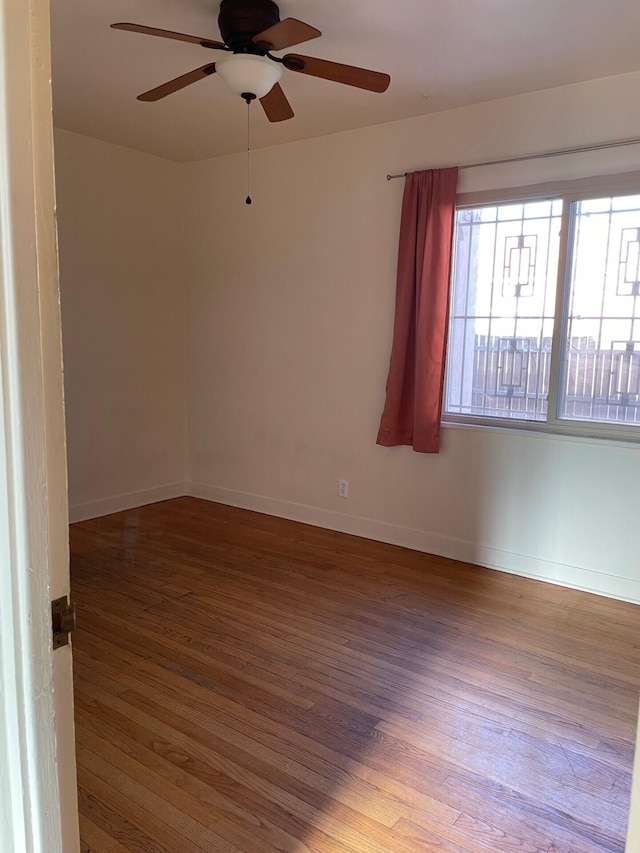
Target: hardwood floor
[246, 684]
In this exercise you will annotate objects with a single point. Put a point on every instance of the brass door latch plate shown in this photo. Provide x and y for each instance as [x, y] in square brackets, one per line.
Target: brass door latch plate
[63, 620]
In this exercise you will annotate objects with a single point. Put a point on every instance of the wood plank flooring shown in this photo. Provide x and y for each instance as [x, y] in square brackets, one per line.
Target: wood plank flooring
[245, 684]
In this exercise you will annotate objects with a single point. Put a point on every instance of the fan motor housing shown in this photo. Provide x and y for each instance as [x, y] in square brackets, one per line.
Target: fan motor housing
[240, 20]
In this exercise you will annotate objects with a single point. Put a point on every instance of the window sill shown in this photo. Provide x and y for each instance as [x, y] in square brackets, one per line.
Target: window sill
[574, 431]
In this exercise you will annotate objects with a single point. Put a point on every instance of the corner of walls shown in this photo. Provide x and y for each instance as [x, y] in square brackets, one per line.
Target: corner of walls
[183, 265]
[131, 500]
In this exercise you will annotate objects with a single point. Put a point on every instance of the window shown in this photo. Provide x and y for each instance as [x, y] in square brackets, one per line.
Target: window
[545, 315]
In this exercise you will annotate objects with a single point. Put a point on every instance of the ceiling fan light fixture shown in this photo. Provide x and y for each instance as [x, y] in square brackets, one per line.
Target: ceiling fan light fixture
[248, 73]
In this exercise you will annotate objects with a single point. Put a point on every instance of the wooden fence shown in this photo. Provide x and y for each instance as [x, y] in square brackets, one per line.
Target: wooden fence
[511, 375]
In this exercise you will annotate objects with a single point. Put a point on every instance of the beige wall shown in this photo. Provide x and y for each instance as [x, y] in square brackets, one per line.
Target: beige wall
[290, 317]
[122, 283]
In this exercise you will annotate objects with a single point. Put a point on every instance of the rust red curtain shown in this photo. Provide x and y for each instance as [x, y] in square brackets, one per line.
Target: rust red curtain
[413, 405]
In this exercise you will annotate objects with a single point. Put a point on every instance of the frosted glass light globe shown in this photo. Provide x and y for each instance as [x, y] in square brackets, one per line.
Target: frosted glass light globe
[246, 73]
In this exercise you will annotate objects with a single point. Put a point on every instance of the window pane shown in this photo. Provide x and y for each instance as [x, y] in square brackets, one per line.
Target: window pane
[602, 354]
[502, 306]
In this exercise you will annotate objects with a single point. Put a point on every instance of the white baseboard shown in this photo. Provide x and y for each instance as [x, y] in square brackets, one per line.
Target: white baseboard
[575, 577]
[131, 500]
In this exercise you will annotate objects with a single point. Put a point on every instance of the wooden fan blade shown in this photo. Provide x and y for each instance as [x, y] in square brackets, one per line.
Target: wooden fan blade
[169, 34]
[373, 81]
[179, 83]
[285, 34]
[276, 105]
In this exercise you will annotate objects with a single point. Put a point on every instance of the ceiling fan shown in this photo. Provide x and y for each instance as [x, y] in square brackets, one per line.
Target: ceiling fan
[251, 30]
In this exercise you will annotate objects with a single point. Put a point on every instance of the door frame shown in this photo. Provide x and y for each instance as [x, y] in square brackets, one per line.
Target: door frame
[38, 809]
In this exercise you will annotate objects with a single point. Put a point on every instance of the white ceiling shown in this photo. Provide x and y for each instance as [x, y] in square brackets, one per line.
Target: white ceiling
[456, 51]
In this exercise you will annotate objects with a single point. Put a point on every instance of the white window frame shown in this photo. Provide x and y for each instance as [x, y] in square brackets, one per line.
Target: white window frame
[569, 192]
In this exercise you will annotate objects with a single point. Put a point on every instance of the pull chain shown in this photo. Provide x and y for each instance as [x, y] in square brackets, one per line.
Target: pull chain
[248, 198]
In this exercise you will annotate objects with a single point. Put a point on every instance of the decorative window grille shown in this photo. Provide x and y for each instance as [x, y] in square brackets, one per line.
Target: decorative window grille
[502, 311]
[520, 350]
[604, 310]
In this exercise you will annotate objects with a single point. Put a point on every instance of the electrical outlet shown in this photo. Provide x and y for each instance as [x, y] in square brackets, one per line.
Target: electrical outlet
[343, 488]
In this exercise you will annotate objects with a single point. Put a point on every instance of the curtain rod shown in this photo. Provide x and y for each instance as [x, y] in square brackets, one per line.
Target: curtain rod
[601, 147]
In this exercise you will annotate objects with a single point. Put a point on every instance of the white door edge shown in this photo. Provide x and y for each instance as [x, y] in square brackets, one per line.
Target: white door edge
[31, 516]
